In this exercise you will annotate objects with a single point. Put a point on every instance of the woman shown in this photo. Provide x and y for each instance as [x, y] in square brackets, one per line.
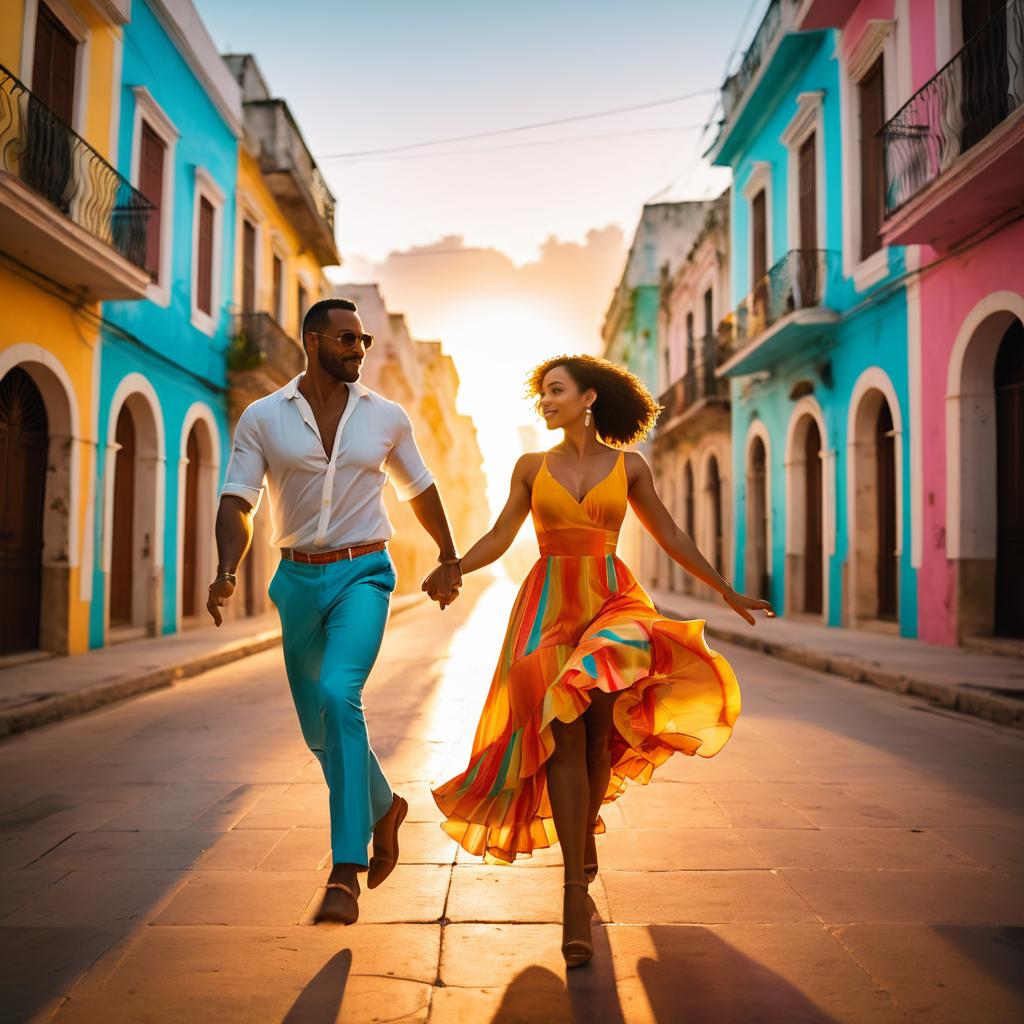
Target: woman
[593, 687]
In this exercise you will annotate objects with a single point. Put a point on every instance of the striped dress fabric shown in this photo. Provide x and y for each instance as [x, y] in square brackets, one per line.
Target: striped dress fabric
[581, 622]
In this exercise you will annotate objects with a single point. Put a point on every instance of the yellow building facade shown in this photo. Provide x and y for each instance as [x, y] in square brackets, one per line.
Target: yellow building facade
[72, 233]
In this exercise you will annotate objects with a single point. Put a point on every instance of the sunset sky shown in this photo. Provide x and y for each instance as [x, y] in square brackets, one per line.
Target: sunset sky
[507, 247]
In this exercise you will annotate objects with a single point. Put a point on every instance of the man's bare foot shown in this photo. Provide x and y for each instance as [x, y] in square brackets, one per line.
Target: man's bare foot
[341, 899]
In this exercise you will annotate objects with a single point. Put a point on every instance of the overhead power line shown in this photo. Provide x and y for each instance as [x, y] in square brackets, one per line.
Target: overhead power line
[469, 151]
[518, 128]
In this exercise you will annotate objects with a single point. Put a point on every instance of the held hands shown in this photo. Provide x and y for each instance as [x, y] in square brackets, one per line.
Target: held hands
[220, 590]
[744, 606]
[442, 585]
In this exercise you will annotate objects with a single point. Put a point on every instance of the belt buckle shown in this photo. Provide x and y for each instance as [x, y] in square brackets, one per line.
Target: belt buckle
[348, 551]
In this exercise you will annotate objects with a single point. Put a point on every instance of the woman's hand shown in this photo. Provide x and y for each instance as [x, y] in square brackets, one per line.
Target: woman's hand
[442, 585]
[744, 606]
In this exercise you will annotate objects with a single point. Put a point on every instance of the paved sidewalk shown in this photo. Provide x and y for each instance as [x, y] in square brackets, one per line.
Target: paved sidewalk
[851, 857]
[46, 690]
[985, 685]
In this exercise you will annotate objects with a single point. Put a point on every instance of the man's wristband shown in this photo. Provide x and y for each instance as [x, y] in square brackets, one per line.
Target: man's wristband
[451, 561]
[225, 577]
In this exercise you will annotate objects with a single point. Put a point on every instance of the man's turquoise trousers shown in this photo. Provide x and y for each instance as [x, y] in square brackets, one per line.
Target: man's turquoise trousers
[332, 623]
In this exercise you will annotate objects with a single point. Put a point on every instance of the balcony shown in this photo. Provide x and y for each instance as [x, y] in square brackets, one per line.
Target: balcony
[64, 211]
[293, 176]
[785, 311]
[262, 357]
[775, 53]
[697, 389]
[825, 13]
[954, 152]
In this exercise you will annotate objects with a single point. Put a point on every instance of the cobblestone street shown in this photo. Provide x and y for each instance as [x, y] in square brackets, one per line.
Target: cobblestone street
[852, 855]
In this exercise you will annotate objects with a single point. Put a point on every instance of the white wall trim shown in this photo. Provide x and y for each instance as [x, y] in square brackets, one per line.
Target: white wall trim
[147, 109]
[970, 409]
[808, 119]
[206, 187]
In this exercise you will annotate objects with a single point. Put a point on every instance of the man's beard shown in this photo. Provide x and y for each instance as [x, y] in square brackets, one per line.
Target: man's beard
[338, 367]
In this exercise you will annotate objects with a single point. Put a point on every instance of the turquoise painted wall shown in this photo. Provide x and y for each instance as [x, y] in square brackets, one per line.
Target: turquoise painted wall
[872, 332]
[182, 363]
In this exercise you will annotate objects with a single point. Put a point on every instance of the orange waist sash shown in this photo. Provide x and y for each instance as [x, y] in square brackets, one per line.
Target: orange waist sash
[578, 541]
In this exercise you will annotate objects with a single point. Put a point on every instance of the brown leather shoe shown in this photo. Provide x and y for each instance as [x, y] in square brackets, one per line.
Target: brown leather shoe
[385, 843]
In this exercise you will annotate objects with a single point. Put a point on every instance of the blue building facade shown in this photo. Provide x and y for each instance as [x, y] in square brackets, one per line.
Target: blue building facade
[162, 427]
[817, 343]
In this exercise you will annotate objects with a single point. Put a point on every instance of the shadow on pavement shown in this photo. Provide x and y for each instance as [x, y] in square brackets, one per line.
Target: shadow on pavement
[699, 978]
[320, 1001]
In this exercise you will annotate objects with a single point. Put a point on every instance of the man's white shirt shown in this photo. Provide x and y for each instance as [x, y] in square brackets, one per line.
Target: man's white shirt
[316, 501]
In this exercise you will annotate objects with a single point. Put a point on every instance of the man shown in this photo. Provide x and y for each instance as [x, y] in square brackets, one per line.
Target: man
[325, 445]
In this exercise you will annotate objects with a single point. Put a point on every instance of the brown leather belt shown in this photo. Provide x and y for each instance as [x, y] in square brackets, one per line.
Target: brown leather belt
[338, 555]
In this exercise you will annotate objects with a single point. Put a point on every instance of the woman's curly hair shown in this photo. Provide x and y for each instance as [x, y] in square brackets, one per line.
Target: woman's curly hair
[624, 410]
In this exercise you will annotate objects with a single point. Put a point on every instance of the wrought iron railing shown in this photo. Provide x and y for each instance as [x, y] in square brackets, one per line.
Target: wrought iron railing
[260, 342]
[797, 281]
[771, 25]
[697, 383]
[962, 103]
[56, 163]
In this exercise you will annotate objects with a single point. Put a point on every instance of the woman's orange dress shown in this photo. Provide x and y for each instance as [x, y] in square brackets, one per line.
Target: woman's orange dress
[581, 621]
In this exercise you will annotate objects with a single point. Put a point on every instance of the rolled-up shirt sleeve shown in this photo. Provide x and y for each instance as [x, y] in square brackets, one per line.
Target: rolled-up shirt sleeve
[408, 472]
[248, 466]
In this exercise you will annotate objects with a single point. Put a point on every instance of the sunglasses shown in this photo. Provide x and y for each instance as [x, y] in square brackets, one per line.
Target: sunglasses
[347, 339]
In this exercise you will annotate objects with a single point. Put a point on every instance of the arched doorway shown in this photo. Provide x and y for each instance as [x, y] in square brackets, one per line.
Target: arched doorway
[689, 516]
[135, 511]
[812, 581]
[874, 503]
[24, 442]
[1009, 389]
[756, 561]
[197, 510]
[121, 555]
[714, 501]
[807, 505]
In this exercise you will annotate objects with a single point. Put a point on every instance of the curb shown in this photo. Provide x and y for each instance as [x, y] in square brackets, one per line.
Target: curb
[70, 705]
[978, 703]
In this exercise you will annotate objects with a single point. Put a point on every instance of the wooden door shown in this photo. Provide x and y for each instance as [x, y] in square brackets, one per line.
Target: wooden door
[812, 522]
[248, 267]
[871, 96]
[204, 257]
[46, 165]
[885, 490]
[688, 510]
[807, 186]
[715, 494]
[758, 520]
[190, 536]
[1009, 386]
[759, 260]
[122, 555]
[24, 441]
[278, 289]
[985, 69]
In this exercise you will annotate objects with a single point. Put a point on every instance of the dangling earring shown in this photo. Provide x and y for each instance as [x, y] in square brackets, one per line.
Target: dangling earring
[586, 419]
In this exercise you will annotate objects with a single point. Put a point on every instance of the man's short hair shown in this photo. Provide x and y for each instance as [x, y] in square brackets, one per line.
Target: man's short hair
[316, 316]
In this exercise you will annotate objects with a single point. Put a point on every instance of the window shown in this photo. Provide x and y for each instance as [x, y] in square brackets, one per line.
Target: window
[278, 291]
[207, 235]
[303, 305]
[759, 237]
[689, 342]
[152, 153]
[53, 67]
[248, 266]
[154, 139]
[204, 255]
[871, 97]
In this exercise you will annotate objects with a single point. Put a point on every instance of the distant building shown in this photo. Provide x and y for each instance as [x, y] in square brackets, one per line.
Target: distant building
[422, 379]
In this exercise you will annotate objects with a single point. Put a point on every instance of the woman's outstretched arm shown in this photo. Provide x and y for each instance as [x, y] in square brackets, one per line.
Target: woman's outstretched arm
[498, 539]
[657, 520]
